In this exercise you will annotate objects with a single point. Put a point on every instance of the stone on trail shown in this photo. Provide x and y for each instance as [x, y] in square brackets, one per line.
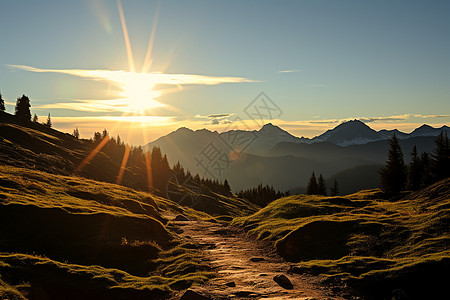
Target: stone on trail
[193, 295]
[283, 281]
[257, 259]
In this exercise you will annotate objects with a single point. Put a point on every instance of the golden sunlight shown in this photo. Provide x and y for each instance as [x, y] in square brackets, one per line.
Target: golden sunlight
[139, 94]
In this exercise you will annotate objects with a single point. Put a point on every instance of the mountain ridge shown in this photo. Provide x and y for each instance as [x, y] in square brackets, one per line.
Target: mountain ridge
[353, 132]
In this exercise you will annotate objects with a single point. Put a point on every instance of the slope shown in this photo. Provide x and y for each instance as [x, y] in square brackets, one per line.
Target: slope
[375, 245]
[69, 237]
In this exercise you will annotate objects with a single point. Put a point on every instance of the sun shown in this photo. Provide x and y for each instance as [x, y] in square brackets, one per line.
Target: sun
[139, 93]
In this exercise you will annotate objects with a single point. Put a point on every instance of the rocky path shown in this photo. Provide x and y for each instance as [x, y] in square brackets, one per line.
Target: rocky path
[246, 268]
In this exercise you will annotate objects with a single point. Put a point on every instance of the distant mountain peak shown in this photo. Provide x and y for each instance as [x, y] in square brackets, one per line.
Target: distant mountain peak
[425, 126]
[270, 126]
[354, 122]
[184, 129]
[348, 133]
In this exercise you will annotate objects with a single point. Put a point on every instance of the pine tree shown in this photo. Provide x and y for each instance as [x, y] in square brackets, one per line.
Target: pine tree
[334, 190]
[226, 186]
[414, 171]
[49, 122]
[104, 133]
[312, 187]
[76, 133]
[393, 174]
[97, 137]
[2, 103]
[425, 170]
[23, 108]
[441, 157]
[35, 118]
[321, 186]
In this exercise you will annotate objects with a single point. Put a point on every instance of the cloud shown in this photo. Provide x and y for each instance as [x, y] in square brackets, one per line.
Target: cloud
[123, 77]
[219, 116]
[117, 105]
[435, 116]
[215, 119]
[389, 118]
[289, 71]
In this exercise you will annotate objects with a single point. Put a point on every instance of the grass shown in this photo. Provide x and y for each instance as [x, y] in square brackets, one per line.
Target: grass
[376, 245]
[65, 235]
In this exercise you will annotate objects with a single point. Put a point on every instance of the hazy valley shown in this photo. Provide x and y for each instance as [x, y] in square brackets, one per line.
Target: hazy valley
[67, 236]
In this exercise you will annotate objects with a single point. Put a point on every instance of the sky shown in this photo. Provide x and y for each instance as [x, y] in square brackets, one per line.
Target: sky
[142, 69]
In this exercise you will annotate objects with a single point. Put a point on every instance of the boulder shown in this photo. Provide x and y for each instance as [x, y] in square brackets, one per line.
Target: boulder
[283, 281]
[257, 259]
[317, 240]
[193, 295]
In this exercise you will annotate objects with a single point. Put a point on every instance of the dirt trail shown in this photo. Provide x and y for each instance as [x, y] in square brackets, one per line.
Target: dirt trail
[251, 265]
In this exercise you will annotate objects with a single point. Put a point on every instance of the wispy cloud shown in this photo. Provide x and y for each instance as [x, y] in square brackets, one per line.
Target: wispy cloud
[435, 116]
[215, 119]
[116, 105]
[154, 78]
[289, 71]
[389, 118]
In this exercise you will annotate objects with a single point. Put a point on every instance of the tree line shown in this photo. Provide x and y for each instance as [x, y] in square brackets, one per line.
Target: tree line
[423, 170]
[22, 111]
[319, 186]
[261, 195]
[161, 172]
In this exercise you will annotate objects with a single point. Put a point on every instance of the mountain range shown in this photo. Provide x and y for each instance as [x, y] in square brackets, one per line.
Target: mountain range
[273, 156]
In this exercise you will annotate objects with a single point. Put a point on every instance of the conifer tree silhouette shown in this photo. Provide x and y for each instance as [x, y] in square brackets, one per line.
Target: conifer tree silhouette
[49, 122]
[414, 171]
[23, 108]
[2, 103]
[321, 186]
[312, 186]
[393, 174]
[334, 189]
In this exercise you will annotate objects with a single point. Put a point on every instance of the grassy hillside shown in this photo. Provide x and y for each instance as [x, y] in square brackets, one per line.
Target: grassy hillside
[375, 245]
[63, 236]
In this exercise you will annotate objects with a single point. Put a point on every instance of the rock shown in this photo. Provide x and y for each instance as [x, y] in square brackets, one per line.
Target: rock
[317, 240]
[230, 284]
[246, 294]
[296, 270]
[283, 281]
[181, 218]
[256, 259]
[193, 295]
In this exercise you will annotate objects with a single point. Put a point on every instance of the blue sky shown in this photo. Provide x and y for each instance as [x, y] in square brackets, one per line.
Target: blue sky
[387, 62]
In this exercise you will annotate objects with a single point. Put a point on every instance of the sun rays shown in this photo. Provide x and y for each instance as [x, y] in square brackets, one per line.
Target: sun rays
[136, 93]
[137, 90]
